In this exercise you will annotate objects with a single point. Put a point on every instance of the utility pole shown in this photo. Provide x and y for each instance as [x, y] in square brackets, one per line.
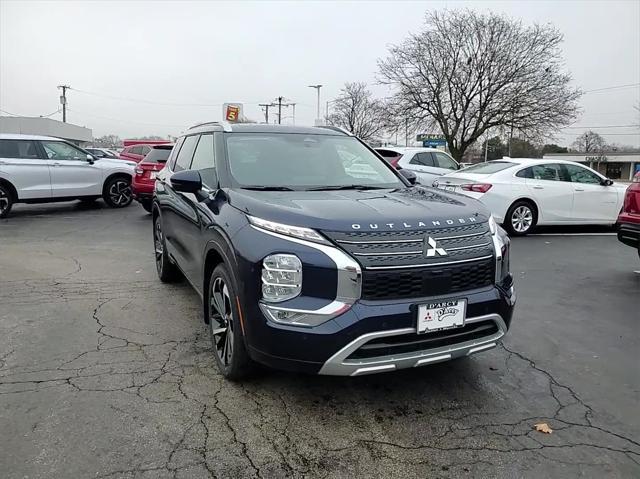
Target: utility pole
[63, 101]
[406, 132]
[317, 87]
[486, 147]
[266, 111]
[279, 109]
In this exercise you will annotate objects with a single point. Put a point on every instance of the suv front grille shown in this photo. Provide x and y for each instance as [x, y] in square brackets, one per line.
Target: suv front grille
[389, 249]
[423, 282]
[396, 264]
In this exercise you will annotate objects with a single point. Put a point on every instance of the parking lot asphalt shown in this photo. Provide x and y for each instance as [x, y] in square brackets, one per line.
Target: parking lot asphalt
[106, 372]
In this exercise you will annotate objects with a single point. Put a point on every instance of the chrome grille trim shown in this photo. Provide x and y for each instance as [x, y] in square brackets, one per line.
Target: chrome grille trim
[379, 241]
[459, 248]
[444, 238]
[427, 265]
[388, 254]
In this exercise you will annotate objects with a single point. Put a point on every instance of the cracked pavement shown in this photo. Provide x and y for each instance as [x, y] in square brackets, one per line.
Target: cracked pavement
[106, 372]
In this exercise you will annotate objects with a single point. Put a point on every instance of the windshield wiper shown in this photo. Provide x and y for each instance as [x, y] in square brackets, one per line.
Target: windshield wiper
[267, 188]
[348, 187]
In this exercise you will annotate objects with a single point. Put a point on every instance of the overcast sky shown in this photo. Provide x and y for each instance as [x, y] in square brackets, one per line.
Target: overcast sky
[195, 56]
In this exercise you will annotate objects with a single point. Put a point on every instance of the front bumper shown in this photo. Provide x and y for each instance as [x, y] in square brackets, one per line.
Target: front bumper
[341, 363]
[329, 348]
[629, 234]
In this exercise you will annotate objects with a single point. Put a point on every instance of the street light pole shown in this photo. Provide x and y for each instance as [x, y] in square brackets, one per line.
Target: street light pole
[63, 100]
[317, 87]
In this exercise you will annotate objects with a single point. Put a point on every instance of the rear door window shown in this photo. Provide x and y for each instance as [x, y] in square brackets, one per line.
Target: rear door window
[204, 161]
[422, 159]
[443, 161]
[18, 149]
[186, 153]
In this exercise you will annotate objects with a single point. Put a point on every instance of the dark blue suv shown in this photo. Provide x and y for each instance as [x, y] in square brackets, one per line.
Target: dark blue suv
[312, 254]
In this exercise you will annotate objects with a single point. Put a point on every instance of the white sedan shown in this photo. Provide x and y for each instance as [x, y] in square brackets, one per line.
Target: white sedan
[522, 193]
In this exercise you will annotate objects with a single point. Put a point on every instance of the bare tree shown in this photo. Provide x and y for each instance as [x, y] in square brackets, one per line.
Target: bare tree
[108, 141]
[357, 111]
[467, 72]
[589, 142]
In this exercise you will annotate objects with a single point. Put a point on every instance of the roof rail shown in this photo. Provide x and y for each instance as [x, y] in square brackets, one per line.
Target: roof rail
[335, 128]
[226, 126]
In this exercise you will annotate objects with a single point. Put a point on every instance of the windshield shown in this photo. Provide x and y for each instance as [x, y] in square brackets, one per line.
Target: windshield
[488, 168]
[305, 161]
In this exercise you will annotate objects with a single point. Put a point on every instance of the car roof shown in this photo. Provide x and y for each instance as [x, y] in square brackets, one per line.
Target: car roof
[265, 128]
[20, 136]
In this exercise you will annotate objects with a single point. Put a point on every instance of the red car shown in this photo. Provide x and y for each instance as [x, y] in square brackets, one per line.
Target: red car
[135, 152]
[145, 174]
[629, 219]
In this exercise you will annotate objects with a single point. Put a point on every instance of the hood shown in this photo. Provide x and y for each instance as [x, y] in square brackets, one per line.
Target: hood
[407, 209]
[114, 163]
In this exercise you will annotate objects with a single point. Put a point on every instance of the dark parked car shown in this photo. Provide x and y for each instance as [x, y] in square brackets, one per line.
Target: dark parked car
[313, 254]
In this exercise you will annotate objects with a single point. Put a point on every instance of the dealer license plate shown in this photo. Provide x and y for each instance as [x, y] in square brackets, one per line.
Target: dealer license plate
[444, 314]
[450, 188]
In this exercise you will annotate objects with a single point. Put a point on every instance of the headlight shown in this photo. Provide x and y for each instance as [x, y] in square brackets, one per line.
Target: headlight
[288, 230]
[281, 277]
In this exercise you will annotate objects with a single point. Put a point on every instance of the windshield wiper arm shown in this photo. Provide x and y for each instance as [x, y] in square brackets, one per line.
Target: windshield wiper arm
[267, 188]
[348, 187]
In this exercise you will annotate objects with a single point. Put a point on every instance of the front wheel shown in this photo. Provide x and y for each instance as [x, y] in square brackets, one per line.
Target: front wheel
[6, 201]
[521, 218]
[227, 338]
[167, 271]
[117, 192]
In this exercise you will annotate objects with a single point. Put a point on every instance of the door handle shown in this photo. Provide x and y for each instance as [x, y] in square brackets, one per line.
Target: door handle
[579, 189]
[538, 187]
[57, 164]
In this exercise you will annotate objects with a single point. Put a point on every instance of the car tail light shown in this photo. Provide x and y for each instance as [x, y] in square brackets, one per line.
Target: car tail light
[632, 201]
[139, 171]
[394, 161]
[477, 187]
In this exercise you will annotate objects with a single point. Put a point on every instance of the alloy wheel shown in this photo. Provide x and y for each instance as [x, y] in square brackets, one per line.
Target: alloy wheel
[158, 244]
[522, 219]
[120, 193]
[4, 200]
[221, 316]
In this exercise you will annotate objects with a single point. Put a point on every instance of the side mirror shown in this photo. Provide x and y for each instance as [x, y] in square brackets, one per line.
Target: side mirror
[410, 176]
[186, 181]
[90, 159]
[607, 182]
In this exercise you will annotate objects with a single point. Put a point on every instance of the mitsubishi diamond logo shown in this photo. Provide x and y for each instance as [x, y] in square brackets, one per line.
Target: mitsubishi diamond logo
[432, 249]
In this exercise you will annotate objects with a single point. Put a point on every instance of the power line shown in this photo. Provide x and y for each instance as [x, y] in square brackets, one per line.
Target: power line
[128, 121]
[154, 102]
[617, 87]
[602, 126]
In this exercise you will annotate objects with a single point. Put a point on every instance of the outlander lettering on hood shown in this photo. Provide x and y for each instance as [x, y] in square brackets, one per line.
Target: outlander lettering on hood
[419, 224]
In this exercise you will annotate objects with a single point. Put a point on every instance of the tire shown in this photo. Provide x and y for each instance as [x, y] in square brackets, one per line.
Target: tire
[521, 218]
[117, 192]
[6, 200]
[147, 206]
[168, 272]
[225, 330]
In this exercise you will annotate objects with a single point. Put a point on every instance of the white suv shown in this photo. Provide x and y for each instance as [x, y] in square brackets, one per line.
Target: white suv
[427, 163]
[42, 169]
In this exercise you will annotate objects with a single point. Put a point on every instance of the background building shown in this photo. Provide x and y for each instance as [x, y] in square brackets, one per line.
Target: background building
[46, 127]
[613, 164]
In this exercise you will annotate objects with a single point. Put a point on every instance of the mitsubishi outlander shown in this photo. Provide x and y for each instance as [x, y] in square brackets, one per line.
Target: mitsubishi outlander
[311, 253]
